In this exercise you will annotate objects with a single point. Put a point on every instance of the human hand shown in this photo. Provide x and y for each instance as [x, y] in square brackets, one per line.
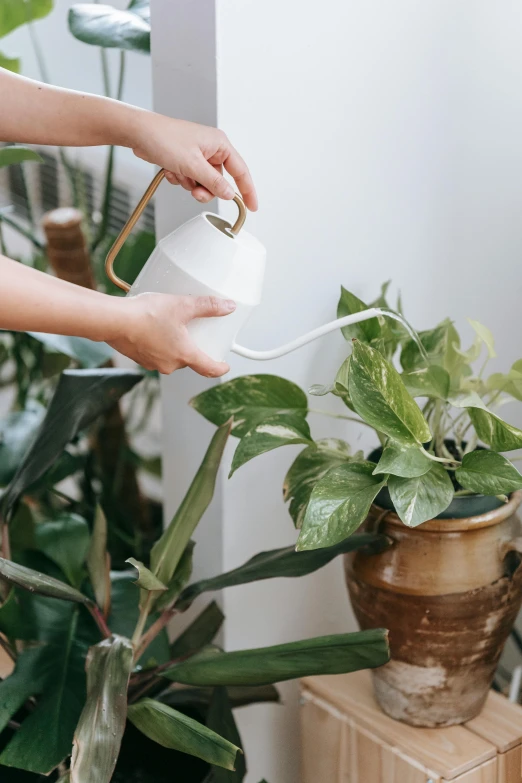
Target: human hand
[154, 334]
[194, 157]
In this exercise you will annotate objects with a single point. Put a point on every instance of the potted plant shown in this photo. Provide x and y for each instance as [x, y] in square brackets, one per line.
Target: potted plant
[88, 646]
[437, 485]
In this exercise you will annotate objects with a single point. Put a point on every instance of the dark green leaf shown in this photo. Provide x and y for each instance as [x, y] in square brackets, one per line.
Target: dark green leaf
[103, 25]
[339, 504]
[250, 399]
[174, 730]
[349, 304]
[336, 654]
[89, 354]
[221, 720]
[381, 399]
[284, 429]
[65, 540]
[39, 583]
[55, 673]
[10, 156]
[306, 470]
[405, 461]
[13, 64]
[285, 562]
[488, 473]
[65, 466]
[167, 551]
[17, 431]
[240, 696]
[15, 13]
[131, 259]
[199, 633]
[80, 397]
[99, 563]
[431, 381]
[98, 736]
[125, 612]
[419, 499]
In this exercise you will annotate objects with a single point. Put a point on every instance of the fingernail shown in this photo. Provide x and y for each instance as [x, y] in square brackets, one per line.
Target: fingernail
[199, 197]
[230, 305]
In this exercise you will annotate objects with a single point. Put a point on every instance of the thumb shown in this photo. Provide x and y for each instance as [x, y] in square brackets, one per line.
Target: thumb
[205, 174]
[208, 307]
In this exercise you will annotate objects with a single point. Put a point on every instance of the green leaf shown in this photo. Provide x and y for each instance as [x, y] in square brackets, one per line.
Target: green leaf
[10, 156]
[440, 345]
[221, 720]
[199, 633]
[405, 461]
[250, 399]
[485, 335]
[381, 399]
[98, 736]
[55, 673]
[80, 397]
[181, 576]
[167, 551]
[431, 381]
[176, 731]
[488, 473]
[339, 504]
[419, 499]
[65, 540]
[146, 578]
[17, 431]
[284, 429]
[124, 616]
[108, 27]
[99, 562]
[13, 64]
[89, 354]
[39, 583]
[285, 562]
[15, 13]
[366, 331]
[240, 696]
[335, 654]
[306, 470]
[495, 432]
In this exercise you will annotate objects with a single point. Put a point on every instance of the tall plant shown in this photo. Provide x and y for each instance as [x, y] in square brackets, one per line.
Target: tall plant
[64, 611]
[435, 417]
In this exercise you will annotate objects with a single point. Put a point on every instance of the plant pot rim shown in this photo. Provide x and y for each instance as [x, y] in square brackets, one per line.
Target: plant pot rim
[490, 518]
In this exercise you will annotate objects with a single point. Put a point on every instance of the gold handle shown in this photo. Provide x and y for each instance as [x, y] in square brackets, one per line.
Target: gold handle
[127, 228]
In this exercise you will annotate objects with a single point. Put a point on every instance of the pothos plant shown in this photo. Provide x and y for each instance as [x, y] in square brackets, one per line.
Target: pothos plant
[436, 422]
[97, 691]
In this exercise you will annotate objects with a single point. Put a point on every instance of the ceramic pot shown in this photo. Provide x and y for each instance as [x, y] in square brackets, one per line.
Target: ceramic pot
[449, 592]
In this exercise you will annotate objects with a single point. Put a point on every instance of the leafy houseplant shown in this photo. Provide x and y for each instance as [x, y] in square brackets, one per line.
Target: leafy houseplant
[63, 610]
[438, 467]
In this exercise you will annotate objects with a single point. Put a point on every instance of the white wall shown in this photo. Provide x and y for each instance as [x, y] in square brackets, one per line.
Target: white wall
[384, 139]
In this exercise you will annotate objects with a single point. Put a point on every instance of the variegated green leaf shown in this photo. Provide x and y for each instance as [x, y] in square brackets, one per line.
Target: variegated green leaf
[418, 499]
[284, 429]
[488, 473]
[405, 461]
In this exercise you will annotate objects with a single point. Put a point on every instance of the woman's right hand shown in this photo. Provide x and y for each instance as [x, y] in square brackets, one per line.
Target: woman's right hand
[153, 331]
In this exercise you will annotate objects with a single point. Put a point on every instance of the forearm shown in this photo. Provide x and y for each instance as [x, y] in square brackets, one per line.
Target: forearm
[35, 113]
[33, 301]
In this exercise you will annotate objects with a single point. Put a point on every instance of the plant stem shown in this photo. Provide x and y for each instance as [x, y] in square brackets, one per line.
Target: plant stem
[99, 619]
[21, 230]
[62, 495]
[105, 73]
[163, 620]
[4, 644]
[438, 459]
[140, 625]
[339, 416]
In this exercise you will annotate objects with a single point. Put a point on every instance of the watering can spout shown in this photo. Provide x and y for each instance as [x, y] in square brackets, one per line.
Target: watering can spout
[275, 353]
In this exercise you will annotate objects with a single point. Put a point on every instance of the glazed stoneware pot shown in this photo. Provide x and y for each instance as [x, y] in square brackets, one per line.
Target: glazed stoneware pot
[449, 592]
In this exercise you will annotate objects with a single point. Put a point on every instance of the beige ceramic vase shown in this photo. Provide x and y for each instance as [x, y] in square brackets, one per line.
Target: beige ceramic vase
[449, 592]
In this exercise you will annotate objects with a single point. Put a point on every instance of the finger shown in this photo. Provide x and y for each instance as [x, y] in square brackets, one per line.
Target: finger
[207, 307]
[202, 195]
[171, 177]
[205, 174]
[186, 182]
[238, 169]
[204, 365]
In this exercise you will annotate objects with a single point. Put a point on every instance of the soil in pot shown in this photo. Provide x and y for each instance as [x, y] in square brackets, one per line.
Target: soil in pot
[449, 592]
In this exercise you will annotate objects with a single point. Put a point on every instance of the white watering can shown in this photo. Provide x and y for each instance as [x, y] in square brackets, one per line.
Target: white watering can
[206, 256]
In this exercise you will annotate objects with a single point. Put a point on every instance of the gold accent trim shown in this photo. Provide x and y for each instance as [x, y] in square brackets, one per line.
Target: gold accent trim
[127, 228]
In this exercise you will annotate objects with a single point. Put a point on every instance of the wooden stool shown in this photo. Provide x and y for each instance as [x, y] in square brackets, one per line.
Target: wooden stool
[346, 738]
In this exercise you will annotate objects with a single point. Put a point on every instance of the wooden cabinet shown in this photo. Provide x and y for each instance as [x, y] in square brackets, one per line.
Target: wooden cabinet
[346, 738]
